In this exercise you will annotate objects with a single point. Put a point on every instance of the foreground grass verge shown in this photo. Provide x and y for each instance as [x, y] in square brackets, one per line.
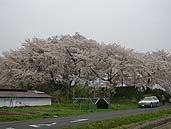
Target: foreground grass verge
[55, 110]
[124, 122]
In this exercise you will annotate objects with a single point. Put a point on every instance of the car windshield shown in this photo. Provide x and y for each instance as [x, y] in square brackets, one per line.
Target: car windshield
[148, 98]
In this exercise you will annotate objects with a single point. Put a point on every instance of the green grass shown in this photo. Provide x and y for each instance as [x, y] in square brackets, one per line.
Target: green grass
[42, 112]
[124, 122]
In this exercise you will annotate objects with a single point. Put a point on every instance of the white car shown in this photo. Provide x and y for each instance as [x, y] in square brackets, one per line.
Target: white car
[151, 101]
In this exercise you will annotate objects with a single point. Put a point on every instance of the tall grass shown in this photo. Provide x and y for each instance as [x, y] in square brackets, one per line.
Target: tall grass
[55, 110]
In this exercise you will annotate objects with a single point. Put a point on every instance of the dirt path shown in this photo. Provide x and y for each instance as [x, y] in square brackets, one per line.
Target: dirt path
[164, 126]
[163, 123]
[13, 113]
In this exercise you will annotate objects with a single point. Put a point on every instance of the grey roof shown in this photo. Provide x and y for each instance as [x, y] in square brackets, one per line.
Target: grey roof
[23, 94]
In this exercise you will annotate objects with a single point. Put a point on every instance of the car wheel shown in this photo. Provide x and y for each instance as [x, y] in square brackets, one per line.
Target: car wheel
[151, 105]
[157, 105]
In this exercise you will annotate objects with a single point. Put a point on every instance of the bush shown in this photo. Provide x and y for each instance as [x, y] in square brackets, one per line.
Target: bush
[81, 91]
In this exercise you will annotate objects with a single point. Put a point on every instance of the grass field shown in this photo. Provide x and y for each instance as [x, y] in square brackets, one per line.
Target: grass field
[55, 110]
[128, 122]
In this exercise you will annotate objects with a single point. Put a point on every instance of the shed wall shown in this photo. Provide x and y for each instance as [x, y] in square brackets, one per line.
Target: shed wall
[13, 102]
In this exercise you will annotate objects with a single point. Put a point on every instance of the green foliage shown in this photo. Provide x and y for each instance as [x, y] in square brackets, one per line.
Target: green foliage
[132, 94]
[106, 92]
[127, 93]
[157, 92]
[81, 91]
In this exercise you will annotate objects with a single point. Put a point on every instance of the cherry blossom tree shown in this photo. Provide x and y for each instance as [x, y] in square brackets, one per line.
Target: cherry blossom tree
[74, 58]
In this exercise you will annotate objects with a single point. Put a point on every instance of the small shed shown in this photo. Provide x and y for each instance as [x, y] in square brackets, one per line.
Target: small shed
[14, 98]
[102, 103]
[121, 85]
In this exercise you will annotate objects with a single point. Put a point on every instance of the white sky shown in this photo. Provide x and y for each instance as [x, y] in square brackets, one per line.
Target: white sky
[144, 25]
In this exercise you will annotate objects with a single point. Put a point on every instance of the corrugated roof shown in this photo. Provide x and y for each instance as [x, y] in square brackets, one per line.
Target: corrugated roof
[23, 94]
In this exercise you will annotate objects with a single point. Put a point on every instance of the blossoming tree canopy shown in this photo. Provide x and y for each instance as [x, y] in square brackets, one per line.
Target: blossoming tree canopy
[62, 59]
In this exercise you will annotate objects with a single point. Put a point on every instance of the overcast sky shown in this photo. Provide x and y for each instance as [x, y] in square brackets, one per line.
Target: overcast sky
[144, 25]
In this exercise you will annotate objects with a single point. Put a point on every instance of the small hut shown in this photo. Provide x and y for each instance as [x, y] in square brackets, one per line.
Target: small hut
[14, 98]
[102, 103]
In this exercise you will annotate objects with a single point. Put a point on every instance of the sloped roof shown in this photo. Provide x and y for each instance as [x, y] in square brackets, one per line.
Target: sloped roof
[23, 94]
[101, 99]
